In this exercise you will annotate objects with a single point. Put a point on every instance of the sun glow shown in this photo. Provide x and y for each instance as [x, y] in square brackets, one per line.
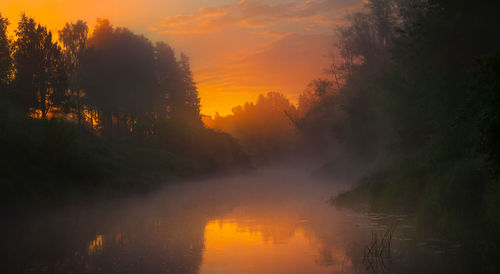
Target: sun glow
[214, 100]
[95, 245]
[245, 51]
[236, 246]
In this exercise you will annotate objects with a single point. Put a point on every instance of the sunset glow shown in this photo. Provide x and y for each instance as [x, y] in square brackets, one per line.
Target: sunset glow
[238, 49]
[272, 247]
[250, 136]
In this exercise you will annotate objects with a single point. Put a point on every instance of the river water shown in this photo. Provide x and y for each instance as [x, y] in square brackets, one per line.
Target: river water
[276, 221]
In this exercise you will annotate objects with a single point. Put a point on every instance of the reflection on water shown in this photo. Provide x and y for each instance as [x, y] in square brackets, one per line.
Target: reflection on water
[96, 245]
[274, 222]
[242, 246]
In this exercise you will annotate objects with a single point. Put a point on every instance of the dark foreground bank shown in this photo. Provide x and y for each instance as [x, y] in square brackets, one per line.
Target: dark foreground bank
[51, 161]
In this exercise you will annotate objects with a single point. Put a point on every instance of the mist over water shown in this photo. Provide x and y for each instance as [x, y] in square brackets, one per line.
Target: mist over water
[389, 162]
[272, 221]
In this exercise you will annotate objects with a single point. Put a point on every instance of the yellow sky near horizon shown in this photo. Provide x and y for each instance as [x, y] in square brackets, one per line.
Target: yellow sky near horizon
[238, 49]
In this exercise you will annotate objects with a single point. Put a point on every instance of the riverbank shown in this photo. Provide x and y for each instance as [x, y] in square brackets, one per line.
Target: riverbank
[52, 161]
[440, 200]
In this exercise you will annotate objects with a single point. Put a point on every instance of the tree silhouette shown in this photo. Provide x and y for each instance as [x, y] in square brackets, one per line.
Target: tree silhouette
[40, 77]
[263, 128]
[179, 92]
[118, 75]
[5, 58]
[74, 39]
[189, 102]
[168, 76]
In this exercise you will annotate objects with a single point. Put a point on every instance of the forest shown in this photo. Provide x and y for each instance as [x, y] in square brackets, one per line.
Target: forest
[404, 122]
[414, 99]
[102, 110]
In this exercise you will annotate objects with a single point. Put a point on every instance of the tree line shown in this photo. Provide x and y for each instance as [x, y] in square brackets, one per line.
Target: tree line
[413, 96]
[100, 111]
[111, 80]
[263, 128]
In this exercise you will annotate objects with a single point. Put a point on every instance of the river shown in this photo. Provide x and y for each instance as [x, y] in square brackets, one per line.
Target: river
[274, 221]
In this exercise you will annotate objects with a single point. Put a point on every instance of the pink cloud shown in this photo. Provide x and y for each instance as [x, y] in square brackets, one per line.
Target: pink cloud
[285, 65]
[257, 14]
[243, 49]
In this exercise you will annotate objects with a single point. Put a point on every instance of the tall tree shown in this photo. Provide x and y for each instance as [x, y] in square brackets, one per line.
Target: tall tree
[177, 85]
[74, 38]
[118, 75]
[168, 76]
[5, 57]
[190, 108]
[40, 78]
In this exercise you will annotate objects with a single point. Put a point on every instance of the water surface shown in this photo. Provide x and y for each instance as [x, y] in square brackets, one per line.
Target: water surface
[269, 222]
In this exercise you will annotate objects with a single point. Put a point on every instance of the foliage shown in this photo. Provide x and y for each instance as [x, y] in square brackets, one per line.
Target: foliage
[44, 160]
[418, 101]
[40, 78]
[118, 74]
[264, 128]
[110, 111]
[5, 58]
[74, 39]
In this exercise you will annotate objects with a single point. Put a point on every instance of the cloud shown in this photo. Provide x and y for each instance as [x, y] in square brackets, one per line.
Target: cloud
[287, 62]
[243, 49]
[257, 15]
[284, 65]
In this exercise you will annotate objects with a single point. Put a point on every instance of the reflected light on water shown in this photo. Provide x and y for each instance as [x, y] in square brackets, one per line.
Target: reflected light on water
[234, 246]
[96, 245]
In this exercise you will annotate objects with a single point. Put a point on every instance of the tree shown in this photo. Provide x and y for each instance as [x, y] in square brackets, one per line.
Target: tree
[264, 128]
[5, 58]
[177, 86]
[40, 77]
[190, 104]
[118, 75]
[168, 76]
[383, 18]
[74, 38]
[342, 113]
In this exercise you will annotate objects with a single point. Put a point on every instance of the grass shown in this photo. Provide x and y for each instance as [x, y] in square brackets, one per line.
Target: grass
[52, 161]
[454, 198]
[377, 257]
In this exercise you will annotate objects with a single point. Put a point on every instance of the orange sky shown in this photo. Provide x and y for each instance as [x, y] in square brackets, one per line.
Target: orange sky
[238, 49]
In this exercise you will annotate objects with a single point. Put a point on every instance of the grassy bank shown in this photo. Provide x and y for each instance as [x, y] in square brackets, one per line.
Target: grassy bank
[50, 161]
[455, 199]
[450, 184]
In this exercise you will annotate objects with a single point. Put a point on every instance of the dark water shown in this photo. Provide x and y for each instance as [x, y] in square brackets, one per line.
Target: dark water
[270, 222]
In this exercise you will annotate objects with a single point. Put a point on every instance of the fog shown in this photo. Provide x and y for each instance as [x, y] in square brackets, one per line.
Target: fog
[270, 221]
[390, 162]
